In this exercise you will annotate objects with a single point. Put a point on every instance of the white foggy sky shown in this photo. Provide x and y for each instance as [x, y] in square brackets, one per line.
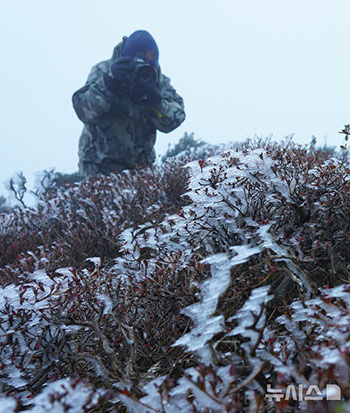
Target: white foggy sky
[243, 67]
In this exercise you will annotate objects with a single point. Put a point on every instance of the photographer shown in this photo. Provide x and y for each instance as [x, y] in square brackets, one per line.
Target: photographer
[124, 102]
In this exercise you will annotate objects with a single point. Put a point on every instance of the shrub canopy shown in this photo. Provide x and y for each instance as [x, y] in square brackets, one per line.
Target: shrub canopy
[190, 286]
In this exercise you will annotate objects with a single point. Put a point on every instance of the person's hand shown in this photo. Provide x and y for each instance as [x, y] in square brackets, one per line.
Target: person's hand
[153, 96]
[122, 69]
[122, 73]
[147, 94]
[123, 80]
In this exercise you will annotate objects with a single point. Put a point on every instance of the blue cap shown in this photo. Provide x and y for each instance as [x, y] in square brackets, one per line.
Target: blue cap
[141, 44]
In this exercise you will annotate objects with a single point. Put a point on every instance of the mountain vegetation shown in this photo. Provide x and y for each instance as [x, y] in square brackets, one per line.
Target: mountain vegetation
[217, 281]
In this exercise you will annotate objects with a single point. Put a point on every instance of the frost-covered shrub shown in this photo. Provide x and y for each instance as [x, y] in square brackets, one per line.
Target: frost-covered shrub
[65, 395]
[83, 220]
[204, 286]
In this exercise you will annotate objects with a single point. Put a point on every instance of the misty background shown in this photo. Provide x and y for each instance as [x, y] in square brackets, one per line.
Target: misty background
[243, 68]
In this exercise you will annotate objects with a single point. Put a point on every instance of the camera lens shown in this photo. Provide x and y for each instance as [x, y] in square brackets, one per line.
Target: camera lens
[146, 74]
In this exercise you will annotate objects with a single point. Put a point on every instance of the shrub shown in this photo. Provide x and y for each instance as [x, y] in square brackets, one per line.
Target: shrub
[82, 220]
[3, 204]
[203, 286]
[185, 145]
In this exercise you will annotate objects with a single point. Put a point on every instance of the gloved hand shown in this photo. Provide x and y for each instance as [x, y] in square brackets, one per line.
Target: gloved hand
[122, 74]
[123, 80]
[122, 68]
[147, 94]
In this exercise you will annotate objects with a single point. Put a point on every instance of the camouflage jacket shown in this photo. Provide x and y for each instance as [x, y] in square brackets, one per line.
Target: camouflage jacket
[118, 131]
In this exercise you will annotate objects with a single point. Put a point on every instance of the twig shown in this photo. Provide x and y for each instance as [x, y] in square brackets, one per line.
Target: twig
[246, 381]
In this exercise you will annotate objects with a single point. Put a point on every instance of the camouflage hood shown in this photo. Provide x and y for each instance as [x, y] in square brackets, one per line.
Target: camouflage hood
[117, 50]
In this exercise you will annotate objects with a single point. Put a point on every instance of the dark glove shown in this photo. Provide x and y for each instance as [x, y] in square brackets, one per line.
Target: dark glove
[122, 74]
[147, 94]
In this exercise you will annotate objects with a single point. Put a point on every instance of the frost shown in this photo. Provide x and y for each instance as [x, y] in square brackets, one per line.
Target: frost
[65, 396]
[251, 318]
[283, 255]
[95, 260]
[8, 405]
[201, 286]
[107, 303]
[243, 253]
[206, 326]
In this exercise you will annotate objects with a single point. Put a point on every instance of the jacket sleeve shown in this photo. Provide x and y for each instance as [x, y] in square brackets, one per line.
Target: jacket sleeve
[170, 112]
[94, 100]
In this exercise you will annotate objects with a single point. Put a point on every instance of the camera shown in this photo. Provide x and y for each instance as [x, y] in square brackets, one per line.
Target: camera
[146, 74]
